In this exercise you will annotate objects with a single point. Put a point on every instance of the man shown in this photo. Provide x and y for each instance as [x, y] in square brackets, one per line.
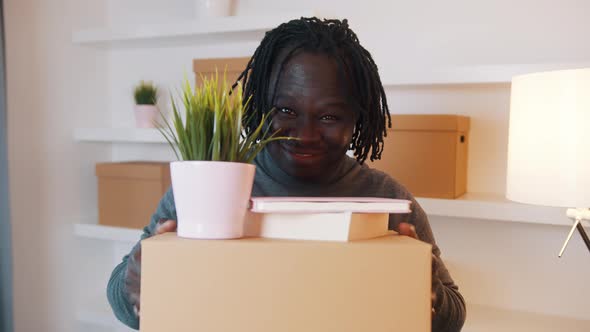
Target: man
[326, 91]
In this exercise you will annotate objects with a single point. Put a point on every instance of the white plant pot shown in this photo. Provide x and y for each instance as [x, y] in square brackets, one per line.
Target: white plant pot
[213, 8]
[146, 116]
[211, 198]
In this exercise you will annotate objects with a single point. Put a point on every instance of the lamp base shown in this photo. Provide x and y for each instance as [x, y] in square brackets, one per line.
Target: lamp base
[578, 215]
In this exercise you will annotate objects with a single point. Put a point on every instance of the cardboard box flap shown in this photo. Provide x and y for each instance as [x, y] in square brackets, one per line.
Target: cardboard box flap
[134, 170]
[442, 122]
[209, 65]
[391, 241]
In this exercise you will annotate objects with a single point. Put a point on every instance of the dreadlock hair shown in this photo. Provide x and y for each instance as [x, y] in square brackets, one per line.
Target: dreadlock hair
[335, 39]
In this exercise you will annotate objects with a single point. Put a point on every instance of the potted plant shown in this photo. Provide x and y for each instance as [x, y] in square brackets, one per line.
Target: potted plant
[213, 8]
[146, 98]
[213, 180]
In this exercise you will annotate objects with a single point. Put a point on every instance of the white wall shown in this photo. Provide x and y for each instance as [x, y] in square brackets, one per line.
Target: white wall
[51, 86]
[54, 86]
[515, 266]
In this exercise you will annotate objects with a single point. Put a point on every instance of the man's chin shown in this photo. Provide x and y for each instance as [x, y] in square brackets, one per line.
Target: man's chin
[308, 174]
[307, 178]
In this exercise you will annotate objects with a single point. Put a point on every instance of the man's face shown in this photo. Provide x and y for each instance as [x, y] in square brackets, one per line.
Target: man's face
[312, 105]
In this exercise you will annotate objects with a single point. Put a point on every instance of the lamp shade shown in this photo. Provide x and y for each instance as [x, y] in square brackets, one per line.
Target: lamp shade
[549, 139]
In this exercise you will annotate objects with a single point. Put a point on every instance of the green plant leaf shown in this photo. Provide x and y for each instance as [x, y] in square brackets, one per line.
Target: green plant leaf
[145, 93]
[210, 125]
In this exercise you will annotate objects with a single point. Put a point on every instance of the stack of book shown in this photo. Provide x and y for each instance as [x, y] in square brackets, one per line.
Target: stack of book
[322, 218]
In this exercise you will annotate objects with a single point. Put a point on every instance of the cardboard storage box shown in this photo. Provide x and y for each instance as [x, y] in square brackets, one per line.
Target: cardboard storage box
[427, 154]
[266, 285]
[206, 67]
[129, 192]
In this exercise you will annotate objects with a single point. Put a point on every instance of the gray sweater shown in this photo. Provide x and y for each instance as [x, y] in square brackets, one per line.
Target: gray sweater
[348, 179]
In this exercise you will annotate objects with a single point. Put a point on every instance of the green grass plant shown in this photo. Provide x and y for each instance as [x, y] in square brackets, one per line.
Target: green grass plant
[209, 125]
[145, 93]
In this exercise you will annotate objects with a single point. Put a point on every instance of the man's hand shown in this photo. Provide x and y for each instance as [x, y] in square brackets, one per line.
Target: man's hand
[133, 271]
[409, 230]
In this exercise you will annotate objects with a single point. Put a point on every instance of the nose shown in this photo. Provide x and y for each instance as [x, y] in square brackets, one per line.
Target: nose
[307, 131]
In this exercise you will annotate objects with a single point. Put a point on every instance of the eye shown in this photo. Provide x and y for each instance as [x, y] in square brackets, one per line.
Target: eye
[328, 117]
[286, 111]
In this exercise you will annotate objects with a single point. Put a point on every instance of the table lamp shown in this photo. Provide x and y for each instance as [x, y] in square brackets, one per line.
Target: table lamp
[549, 143]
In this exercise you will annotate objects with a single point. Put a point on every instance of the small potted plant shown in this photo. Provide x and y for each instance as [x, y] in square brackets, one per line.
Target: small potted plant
[213, 8]
[213, 180]
[146, 111]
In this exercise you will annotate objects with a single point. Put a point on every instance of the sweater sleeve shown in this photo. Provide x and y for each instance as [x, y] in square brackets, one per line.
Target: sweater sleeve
[450, 311]
[116, 293]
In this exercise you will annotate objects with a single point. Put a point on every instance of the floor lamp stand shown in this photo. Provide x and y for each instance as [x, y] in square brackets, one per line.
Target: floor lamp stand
[577, 215]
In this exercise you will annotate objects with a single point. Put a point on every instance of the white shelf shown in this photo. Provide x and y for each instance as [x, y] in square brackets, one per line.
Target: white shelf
[471, 206]
[252, 28]
[477, 74]
[98, 313]
[494, 207]
[100, 232]
[482, 318]
[244, 27]
[119, 135]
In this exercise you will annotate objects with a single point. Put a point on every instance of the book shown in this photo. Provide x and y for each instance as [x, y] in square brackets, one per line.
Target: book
[329, 204]
[322, 218]
[337, 226]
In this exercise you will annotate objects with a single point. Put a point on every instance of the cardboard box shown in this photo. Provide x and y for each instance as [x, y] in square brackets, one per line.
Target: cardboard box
[129, 192]
[206, 67]
[267, 285]
[427, 154]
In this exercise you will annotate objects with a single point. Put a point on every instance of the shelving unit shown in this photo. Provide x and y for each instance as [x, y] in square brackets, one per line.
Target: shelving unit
[243, 27]
[473, 205]
[483, 74]
[119, 135]
[100, 232]
[253, 27]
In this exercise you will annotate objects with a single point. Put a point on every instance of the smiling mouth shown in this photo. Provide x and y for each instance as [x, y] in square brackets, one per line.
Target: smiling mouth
[303, 154]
